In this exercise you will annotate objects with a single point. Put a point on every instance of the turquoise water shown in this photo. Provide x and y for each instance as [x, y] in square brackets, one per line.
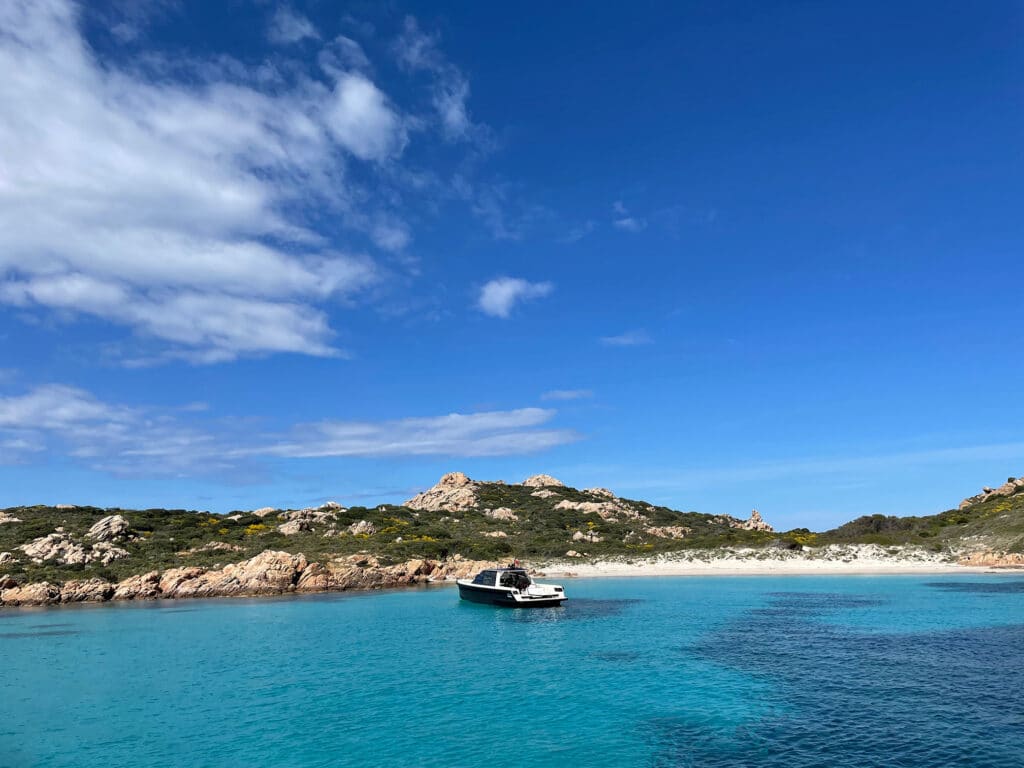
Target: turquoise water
[766, 671]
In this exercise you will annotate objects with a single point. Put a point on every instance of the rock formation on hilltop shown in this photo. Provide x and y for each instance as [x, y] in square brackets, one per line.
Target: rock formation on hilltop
[755, 523]
[1013, 485]
[454, 492]
[543, 481]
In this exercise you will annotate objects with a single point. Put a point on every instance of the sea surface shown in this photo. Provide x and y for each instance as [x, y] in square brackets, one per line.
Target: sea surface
[906, 671]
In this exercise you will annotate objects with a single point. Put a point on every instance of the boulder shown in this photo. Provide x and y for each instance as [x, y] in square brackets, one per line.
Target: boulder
[573, 553]
[40, 593]
[543, 481]
[362, 528]
[312, 516]
[87, 591]
[294, 527]
[6, 557]
[453, 492]
[142, 587]
[315, 578]
[501, 513]
[110, 528]
[496, 534]
[264, 511]
[586, 536]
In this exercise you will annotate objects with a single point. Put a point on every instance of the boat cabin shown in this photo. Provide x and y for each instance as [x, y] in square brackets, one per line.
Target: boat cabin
[510, 578]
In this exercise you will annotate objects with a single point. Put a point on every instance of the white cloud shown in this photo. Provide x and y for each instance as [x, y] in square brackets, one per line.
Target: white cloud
[567, 394]
[494, 433]
[627, 339]
[187, 441]
[498, 297]
[624, 221]
[362, 121]
[162, 195]
[288, 26]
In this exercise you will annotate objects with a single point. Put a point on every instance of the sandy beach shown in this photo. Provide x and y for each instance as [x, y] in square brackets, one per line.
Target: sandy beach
[849, 560]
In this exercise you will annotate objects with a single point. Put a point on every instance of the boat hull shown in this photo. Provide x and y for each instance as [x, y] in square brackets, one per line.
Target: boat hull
[504, 598]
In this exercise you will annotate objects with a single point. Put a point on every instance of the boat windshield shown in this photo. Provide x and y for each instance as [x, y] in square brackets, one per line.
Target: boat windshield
[515, 579]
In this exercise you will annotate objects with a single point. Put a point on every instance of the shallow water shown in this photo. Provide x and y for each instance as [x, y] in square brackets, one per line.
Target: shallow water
[709, 671]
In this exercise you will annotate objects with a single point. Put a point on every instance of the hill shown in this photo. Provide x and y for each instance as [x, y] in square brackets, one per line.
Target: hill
[435, 534]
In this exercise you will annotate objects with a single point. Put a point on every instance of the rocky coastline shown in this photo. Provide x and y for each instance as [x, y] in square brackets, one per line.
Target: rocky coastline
[269, 573]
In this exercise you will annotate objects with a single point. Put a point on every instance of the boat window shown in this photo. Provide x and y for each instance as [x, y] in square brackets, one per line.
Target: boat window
[515, 579]
[486, 578]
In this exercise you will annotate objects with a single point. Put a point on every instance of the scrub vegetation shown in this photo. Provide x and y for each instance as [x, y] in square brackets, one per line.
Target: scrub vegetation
[166, 538]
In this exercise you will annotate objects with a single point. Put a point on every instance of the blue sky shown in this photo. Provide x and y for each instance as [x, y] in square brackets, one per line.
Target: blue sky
[716, 256]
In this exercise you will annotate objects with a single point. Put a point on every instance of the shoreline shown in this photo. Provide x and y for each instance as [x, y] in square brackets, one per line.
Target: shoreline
[736, 567]
[274, 573]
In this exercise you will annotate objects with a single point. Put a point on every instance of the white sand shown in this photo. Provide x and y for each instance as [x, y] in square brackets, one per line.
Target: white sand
[851, 560]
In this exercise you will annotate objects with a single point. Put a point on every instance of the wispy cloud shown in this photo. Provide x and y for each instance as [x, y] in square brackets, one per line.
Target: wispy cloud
[627, 339]
[494, 433]
[499, 297]
[622, 219]
[567, 394]
[288, 26]
[579, 232]
[418, 51]
[142, 440]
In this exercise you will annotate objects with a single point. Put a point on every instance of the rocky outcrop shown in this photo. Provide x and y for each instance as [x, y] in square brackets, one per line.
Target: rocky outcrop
[544, 493]
[543, 481]
[669, 531]
[496, 534]
[501, 513]
[994, 559]
[6, 518]
[264, 511]
[362, 528]
[110, 528]
[269, 573]
[755, 523]
[88, 591]
[294, 527]
[322, 515]
[606, 510]
[589, 536]
[143, 587]
[213, 546]
[603, 493]
[1009, 488]
[454, 492]
[5, 558]
[41, 593]
[61, 549]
